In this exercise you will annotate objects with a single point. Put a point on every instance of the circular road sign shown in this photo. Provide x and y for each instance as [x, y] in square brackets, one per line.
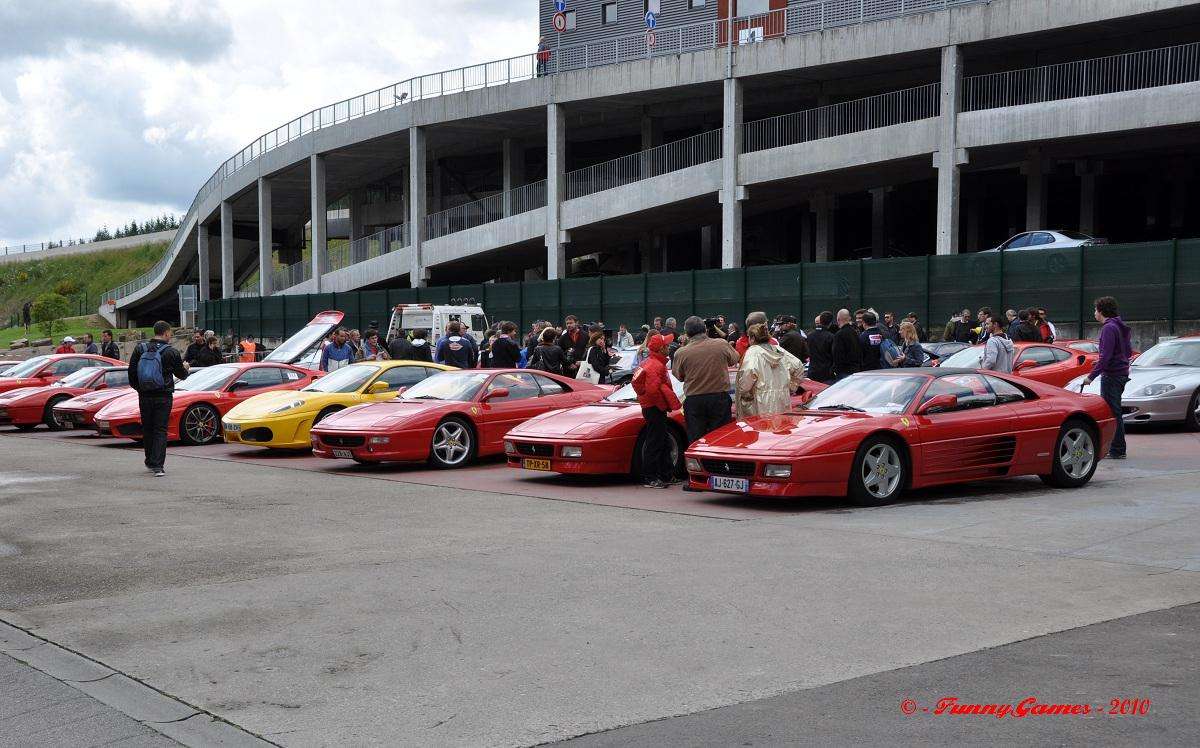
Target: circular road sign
[649, 38]
[560, 22]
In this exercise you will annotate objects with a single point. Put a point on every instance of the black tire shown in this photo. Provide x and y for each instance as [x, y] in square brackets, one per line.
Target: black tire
[50, 419]
[326, 413]
[200, 424]
[879, 472]
[1191, 419]
[1075, 455]
[677, 445]
[25, 426]
[453, 444]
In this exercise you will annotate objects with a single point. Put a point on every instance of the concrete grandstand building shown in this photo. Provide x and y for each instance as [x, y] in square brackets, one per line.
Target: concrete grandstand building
[816, 130]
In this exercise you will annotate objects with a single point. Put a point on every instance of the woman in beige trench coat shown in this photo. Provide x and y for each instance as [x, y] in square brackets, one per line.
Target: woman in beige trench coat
[767, 376]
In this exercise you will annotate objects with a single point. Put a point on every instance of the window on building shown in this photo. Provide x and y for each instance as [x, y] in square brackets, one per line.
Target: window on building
[608, 14]
[752, 7]
[693, 4]
[570, 20]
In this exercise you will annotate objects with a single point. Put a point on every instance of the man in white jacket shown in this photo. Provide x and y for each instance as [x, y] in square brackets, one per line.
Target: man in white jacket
[998, 351]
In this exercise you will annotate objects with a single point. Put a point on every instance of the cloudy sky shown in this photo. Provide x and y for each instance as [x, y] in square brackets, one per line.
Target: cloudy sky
[112, 110]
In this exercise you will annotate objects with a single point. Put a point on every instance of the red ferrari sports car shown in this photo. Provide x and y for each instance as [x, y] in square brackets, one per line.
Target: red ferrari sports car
[449, 418]
[201, 400]
[40, 371]
[82, 410]
[25, 408]
[603, 438]
[1042, 362]
[874, 434]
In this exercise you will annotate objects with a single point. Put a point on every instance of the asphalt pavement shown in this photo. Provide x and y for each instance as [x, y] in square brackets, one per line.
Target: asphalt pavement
[311, 604]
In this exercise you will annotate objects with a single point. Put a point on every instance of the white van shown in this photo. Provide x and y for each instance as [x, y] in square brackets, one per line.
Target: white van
[435, 317]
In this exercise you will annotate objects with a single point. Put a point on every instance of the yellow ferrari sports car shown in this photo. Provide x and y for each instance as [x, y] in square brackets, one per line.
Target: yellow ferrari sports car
[282, 420]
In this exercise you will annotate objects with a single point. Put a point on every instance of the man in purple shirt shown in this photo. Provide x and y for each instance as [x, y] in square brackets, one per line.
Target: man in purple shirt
[1112, 367]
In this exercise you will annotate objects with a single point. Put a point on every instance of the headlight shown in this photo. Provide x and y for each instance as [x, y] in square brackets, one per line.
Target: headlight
[510, 448]
[777, 471]
[289, 406]
[1156, 389]
[572, 452]
[380, 440]
[693, 465]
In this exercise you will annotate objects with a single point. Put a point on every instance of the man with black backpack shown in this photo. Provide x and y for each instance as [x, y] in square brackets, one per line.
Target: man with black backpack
[153, 368]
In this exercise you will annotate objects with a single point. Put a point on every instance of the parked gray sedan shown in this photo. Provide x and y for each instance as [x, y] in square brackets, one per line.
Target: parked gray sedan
[1164, 385]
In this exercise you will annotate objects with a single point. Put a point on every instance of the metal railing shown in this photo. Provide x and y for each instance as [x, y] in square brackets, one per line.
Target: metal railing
[896, 107]
[800, 19]
[364, 248]
[1068, 80]
[679, 154]
[21, 249]
[292, 275]
[486, 210]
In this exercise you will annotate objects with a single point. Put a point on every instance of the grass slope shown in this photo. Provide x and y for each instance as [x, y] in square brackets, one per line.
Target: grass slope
[73, 326]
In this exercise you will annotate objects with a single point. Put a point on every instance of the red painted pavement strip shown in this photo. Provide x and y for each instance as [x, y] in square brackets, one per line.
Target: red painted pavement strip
[1154, 453]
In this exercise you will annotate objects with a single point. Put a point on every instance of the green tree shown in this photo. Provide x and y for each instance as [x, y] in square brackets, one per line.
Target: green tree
[66, 288]
[47, 310]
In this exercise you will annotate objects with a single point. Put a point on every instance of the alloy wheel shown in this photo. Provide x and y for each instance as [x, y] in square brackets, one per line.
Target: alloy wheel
[1076, 452]
[881, 471]
[451, 443]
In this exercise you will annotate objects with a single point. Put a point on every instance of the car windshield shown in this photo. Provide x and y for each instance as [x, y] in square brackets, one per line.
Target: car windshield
[967, 358]
[78, 379]
[209, 378]
[627, 395]
[26, 368]
[870, 393]
[449, 385]
[291, 349]
[1171, 353]
[346, 379]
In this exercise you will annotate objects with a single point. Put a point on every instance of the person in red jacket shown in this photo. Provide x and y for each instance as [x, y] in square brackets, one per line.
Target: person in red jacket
[657, 398]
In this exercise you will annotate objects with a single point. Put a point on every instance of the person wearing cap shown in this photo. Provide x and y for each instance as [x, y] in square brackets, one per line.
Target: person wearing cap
[67, 345]
[657, 398]
[791, 339]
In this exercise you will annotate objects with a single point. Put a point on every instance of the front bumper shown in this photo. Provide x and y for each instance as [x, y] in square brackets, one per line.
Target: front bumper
[1164, 408]
[18, 416]
[76, 417]
[816, 475]
[600, 456]
[409, 446]
[288, 432]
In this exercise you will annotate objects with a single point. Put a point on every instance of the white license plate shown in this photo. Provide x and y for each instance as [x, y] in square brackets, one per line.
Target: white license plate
[234, 427]
[723, 483]
[345, 454]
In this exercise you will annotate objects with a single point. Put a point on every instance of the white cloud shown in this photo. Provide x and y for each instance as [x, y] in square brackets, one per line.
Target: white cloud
[112, 110]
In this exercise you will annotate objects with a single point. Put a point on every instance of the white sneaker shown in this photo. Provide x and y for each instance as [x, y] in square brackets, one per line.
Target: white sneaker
[159, 473]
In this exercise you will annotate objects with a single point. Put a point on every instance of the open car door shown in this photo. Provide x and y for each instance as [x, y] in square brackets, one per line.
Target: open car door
[304, 348]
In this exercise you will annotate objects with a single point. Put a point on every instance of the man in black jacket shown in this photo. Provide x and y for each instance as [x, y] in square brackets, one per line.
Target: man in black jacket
[108, 347]
[154, 398]
[870, 339]
[847, 354]
[792, 340]
[195, 348]
[505, 351]
[573, 342]
[820, 349]
[1024, 331]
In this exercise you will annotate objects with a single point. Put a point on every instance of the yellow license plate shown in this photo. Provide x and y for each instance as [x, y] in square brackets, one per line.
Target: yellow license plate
[535, 464]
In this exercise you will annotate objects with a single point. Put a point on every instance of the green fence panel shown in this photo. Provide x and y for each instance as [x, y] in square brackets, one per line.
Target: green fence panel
[958, 282]
[774, 289]
[624, 301]
[539, 300]
[502, 302]
[295, 313]
[347, 302]
[720, 292]
[669, 295]
[273, 323]
[434, 295]
[401, 296]
[830, 286]
[1187, 284]
[471, 293]
[1138, 277]
[373, 307]
[895, 285]
[1042, 278]
[583, 298]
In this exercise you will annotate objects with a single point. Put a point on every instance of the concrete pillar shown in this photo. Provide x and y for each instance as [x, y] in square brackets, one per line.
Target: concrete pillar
[416, 204]
[227, 269]
[265, 265]
[202, 260]
[319, 206]
[556, 157]
[513, 170]
[357, 199]
[973, 225]
[706, 248]
[879, 221]
[732, 194]
[1035, 191]
[1087, 171]
[949, 157]
[822, 205]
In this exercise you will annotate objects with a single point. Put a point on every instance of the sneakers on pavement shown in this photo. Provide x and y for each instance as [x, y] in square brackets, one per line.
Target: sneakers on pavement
[159, 473]
[1115, 456]
[654, 484]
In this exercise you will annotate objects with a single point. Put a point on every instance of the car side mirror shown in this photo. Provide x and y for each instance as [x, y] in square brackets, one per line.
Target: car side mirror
[1025, 365]
[378, 388]
[497, 394]
[937, 404]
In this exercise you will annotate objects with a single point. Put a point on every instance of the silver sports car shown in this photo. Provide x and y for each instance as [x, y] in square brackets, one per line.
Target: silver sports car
[1164, 385]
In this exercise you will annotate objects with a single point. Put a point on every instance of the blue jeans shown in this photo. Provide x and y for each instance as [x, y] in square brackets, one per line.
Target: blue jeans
[1111, 387]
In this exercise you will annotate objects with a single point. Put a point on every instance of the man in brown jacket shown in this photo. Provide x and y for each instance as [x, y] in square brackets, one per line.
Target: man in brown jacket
[703, 367]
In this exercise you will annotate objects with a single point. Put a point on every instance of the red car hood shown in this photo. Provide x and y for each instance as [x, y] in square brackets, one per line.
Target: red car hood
[125, 406]
[581, 421]
[17, 394]
[8, 384]
[384, 415]
[13, 396]
[94, 399]
[788, 432]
